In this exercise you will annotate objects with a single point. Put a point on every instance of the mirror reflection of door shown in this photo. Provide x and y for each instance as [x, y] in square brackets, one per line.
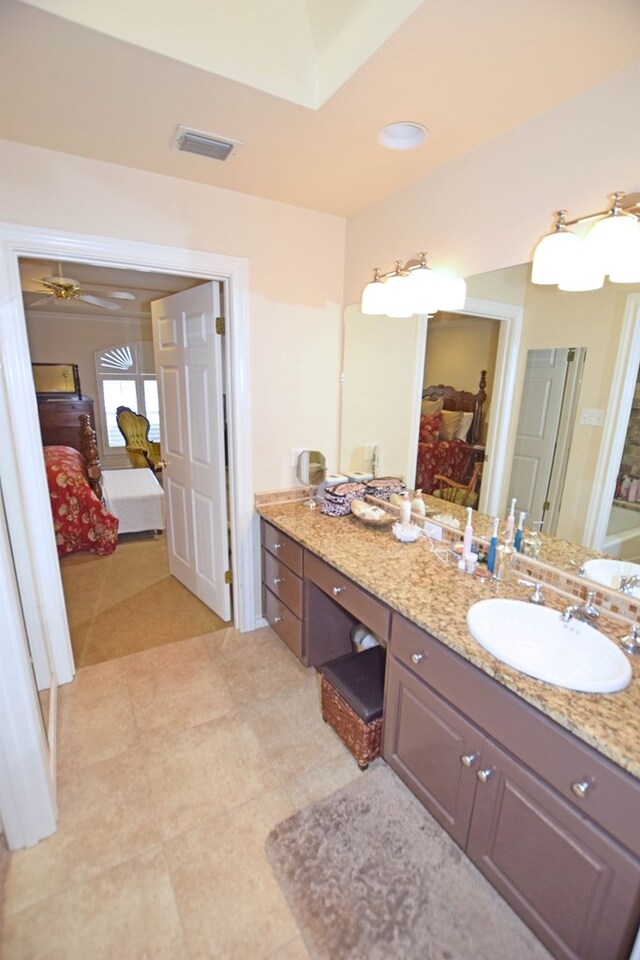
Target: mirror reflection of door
[547, 412]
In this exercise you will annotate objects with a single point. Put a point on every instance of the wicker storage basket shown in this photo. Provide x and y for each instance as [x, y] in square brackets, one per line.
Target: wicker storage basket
[362, 739]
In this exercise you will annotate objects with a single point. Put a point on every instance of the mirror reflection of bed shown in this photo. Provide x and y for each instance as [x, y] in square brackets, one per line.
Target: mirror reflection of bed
[120, 597]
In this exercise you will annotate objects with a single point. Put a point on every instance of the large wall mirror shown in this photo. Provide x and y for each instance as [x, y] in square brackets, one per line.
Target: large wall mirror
[387, 362]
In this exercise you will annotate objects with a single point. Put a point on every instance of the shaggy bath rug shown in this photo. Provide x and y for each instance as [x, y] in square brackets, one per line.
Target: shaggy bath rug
[369, 875]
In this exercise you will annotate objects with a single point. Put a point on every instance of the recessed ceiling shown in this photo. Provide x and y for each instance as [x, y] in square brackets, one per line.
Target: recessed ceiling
[467, 71]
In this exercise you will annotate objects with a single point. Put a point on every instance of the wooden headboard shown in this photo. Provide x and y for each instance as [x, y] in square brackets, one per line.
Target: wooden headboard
[462, 400]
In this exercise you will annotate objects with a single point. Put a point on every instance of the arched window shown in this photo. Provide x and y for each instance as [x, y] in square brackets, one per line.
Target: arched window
[126, 377]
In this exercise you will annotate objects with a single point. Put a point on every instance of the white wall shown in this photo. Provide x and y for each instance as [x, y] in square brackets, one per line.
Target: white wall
[295, 259]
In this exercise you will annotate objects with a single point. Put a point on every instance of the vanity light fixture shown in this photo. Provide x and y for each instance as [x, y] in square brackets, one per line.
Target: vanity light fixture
[410, 288]
[611, 247]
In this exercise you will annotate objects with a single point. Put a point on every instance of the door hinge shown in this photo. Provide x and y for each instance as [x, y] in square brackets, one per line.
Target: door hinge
[571, 355]
[220, 326]
[228, 577]
[546, 505]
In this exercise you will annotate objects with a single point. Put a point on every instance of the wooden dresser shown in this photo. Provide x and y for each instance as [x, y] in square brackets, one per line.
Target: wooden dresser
[60, 419]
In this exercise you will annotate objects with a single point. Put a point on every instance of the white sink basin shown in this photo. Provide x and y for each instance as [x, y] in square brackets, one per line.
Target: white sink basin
[608, 573]
[536, 641]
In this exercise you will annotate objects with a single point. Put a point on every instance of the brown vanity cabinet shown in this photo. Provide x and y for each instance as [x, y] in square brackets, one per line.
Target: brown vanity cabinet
[573, 882]
[282, 566]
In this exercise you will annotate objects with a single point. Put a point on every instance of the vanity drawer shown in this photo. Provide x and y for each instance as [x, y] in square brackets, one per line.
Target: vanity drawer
[612, 797]
[360, 604]
[284, 622]
[283, 582]
[283, 547]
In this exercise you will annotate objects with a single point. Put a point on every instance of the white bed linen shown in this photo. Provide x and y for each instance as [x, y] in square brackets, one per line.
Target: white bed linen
[136, 498]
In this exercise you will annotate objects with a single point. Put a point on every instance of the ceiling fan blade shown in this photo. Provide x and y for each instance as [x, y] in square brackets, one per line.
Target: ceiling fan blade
[36, 303]
[118, 294]
[98, 301]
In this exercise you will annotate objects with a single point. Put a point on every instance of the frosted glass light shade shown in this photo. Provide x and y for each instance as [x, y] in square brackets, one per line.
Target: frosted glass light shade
[609, 239]
[627, 268]
[553, 256]
[425, 287]
[581, 273]
[374, 298]
[453, 294]
[399, 296]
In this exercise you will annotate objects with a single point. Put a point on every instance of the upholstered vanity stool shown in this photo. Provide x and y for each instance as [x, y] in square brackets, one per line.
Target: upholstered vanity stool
[352, 689]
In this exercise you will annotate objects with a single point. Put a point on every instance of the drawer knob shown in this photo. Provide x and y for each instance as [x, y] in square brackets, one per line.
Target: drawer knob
[581, 788]
[278, 546]
[278, 619]
[337, 590]
[418, 657]
[278, 579]
[484, 775]
[468, 759]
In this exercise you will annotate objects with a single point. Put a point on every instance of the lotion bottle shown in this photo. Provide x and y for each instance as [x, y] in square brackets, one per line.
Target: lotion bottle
[504, 560]
[418, 504]
[517, 543]
[406, 509]
[493, 545]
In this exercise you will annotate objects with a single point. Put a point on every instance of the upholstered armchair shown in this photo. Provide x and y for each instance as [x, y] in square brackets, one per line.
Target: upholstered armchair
[142, 452]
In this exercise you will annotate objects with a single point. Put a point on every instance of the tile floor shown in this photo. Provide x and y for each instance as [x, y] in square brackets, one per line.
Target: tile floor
[174, 765]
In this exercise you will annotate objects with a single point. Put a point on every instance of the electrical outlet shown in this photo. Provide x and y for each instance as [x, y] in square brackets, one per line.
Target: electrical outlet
[591, 418]
[295, 453]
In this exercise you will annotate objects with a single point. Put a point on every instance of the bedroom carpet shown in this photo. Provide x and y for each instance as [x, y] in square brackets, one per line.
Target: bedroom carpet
[128, 602]
[369, 875]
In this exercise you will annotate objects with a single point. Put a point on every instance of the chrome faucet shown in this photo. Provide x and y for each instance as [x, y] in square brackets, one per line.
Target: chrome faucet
[628, 583]
[589, 613]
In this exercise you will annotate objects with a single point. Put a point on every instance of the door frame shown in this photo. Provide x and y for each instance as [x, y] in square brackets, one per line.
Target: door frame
[22, 474]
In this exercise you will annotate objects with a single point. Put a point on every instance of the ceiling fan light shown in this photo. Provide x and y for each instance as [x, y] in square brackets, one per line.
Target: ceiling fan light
[553, 256]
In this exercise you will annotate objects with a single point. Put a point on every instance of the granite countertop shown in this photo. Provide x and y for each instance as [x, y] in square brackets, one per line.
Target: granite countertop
[422, 586]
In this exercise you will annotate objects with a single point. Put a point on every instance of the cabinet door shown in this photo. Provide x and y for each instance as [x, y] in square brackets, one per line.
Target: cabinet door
[573, 885]
[432, 748]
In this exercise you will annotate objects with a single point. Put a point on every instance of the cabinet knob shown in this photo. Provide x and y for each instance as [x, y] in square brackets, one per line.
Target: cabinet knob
[278, 619]
[418, 657]
[484, 775]
[468, 759]
[580, 788]
[336, 590]
[278, 579]
[278, 546]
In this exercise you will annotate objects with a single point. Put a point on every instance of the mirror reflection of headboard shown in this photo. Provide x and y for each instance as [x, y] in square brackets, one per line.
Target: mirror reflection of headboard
[462, 400]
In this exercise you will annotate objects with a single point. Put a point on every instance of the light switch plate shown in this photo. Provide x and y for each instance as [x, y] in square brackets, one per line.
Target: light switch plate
[592, 418]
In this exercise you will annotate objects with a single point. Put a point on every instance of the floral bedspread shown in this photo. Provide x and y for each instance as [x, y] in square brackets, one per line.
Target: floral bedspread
[447, 457]
[80, 521]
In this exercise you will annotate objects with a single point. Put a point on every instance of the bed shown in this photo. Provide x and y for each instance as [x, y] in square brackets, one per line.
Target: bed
[450, 438]
[80, 518]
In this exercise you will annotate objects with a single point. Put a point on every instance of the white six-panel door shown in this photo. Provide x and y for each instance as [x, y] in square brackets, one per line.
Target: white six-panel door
[188, 358]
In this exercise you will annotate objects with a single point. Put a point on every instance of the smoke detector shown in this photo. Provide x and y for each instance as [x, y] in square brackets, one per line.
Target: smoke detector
[204, 144]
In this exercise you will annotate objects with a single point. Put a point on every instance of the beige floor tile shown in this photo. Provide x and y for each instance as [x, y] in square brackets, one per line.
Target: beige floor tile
[231, 905]
[294, 950]
[203, 771]
[106, 817]
[174, 687]
[318, 782]
[256, 665]
[128, 913]
[292, 732]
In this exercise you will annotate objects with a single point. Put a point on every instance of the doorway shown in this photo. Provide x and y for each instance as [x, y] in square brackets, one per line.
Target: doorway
[22, 473]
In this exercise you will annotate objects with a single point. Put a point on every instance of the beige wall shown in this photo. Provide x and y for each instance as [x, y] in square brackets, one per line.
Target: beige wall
[295, 258]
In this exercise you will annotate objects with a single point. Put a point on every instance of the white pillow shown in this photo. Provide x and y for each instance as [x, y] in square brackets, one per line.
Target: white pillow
[451, 420]
[465, 426]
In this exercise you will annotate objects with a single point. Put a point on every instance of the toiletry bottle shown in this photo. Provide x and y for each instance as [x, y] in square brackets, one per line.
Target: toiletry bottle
[517, 543]
[493, 544]
[511, 521]
[504, 560]
[418, 504]
[624, 487]
[633, 490]
[406, 509]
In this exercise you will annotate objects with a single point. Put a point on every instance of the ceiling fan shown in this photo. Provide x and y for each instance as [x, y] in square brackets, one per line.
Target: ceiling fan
[64, 288]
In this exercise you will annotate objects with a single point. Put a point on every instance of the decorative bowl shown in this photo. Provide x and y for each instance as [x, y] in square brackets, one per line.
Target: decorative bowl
[372, 516]
[406, 532]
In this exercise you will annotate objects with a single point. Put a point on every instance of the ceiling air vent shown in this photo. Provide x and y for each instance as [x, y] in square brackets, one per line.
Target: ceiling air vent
[204, 144]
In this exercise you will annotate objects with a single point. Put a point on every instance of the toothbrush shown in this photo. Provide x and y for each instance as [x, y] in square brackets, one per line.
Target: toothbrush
[493, 544]
[467, 540]
[518, 540]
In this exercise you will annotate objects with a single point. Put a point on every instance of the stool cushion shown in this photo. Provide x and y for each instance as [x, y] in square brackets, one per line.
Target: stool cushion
[359, 679]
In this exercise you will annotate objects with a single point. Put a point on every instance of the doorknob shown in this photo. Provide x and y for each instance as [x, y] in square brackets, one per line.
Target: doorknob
[162, 464]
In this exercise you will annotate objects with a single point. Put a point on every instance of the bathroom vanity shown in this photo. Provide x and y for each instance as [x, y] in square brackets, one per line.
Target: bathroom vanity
[538, 785]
